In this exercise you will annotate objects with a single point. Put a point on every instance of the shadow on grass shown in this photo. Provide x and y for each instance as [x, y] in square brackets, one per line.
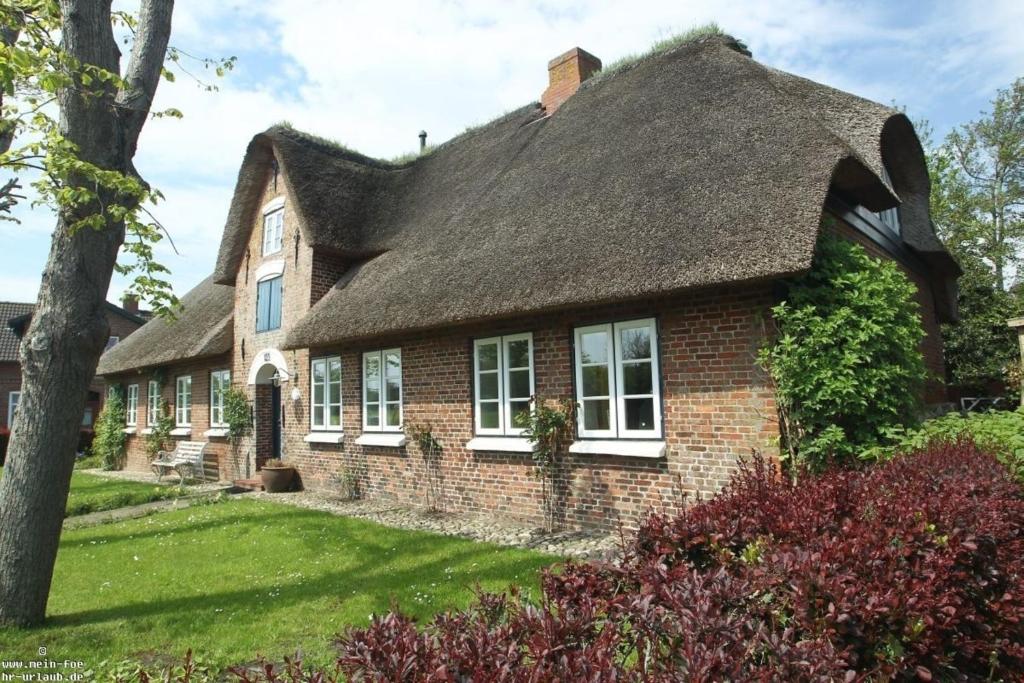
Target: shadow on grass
[373, 565]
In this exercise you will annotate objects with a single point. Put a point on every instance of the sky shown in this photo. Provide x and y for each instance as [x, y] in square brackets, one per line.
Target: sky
[372, 74]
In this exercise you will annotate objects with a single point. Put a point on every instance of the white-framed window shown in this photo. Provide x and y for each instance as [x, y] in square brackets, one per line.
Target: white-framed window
[183, 402]
[112, 341]
[153, 403]
[273, 231]
[502, 383]
[131, 405]
[13, 399]
[325, 394]
[87, 417]
[220, 382]
[382, 391]
[617, 380]
[890, 217]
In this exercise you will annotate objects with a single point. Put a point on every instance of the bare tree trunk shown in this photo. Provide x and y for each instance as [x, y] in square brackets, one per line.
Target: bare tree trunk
[69, 327]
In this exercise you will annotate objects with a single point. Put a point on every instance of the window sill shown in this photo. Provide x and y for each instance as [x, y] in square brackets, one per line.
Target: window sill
[216, 432]
[396, 440]
[511, 444]
[129, 430]
[324, 437]
[633, 449]
[147, 431]
[181, 431]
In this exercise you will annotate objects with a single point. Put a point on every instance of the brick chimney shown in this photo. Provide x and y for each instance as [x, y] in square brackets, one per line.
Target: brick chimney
[130, 303]
[565, 73]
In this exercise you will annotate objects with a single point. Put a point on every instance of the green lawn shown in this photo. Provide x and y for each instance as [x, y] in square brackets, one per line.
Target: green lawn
[91, 493]
[244, 578]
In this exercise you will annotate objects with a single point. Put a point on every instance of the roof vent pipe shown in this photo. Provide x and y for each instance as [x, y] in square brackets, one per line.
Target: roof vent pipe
[423, 140]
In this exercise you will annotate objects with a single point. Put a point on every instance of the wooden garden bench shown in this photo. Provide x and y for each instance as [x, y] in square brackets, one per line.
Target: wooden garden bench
[187, 456]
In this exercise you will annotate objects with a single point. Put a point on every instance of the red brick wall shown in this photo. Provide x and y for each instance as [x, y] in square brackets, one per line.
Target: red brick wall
[219, 456]
[716, 405]
[10, 380]
[716, 408]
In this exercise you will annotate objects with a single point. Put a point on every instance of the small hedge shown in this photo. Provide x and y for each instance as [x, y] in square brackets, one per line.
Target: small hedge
[1000, 432]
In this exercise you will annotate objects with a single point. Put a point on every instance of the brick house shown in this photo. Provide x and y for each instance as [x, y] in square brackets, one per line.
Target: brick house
[618, 243]
[14, 320]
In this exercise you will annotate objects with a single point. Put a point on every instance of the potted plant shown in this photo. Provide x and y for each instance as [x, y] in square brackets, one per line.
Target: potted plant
[277, 476]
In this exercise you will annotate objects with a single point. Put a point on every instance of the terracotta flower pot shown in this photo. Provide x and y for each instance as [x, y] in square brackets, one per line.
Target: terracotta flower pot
[277, 479]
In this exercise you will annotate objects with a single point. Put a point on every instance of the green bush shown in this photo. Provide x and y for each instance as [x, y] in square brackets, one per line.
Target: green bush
[90, 462]
[159, 437]
[237, 414]
[846, 362]
[109, 442]
[1000, 432]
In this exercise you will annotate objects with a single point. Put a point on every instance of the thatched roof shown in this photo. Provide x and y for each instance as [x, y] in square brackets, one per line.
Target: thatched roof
[11, 311]
[691, 168]
[203, 327]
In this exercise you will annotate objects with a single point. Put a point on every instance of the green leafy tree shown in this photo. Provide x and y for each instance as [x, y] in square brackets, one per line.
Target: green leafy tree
[980, 348]
[981, 166]
[846, 362]
[72, 116]
[977, 199]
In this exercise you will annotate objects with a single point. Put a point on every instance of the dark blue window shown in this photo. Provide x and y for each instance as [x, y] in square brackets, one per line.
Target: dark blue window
[268, 305]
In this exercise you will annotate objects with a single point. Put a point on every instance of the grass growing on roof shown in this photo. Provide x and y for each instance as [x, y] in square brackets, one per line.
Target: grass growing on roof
[664, 45]
[92, 493]
[244, 578]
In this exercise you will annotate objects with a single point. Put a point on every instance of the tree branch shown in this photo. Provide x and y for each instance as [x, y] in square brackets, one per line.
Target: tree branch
[143, 74]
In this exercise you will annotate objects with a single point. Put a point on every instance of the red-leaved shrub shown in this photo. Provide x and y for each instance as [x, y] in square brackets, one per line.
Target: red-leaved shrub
[911, 570]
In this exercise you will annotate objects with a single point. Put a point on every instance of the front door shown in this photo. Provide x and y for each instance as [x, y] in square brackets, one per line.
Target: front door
[275, 421]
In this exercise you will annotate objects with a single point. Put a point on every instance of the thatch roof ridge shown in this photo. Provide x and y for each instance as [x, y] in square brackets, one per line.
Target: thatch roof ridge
[203, 327]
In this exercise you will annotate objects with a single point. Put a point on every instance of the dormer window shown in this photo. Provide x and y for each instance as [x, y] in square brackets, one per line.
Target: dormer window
[891, 217]
[273, 231]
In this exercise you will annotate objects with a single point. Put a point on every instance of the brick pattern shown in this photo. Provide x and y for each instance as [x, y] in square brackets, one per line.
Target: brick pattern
[220, 459]
[716, 405]
[565, 74]
[10, 380]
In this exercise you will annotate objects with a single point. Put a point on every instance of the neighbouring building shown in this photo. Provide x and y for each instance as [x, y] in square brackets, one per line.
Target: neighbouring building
[14, 320]
[618, 243]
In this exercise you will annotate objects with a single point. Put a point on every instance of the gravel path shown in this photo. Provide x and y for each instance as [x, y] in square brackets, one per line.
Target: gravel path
[591, 545]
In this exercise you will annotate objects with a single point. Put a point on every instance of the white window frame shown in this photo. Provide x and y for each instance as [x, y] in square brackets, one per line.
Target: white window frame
[616, 399]
[273, 231]
[183, 401]
[131, 405]
[219, 379]
[326, 405]
[152, 403]
[505, 426]
[382, 401]
[13, 400]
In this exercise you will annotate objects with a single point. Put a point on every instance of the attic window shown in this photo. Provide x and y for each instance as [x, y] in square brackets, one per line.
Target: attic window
[891, 217]
[273, 231]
